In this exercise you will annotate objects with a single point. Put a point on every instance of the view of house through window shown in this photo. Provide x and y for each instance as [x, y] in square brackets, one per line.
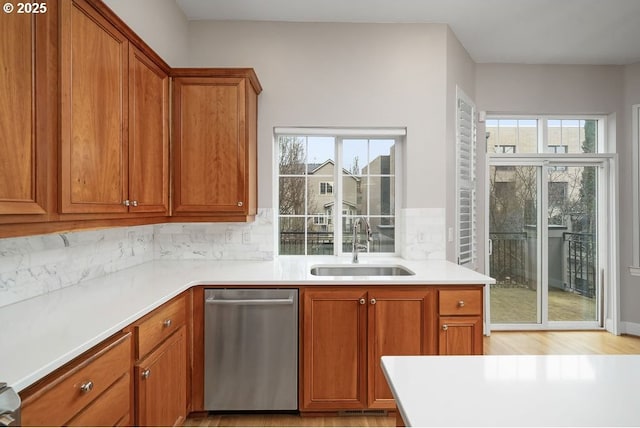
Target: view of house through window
[544, 227]
[318, 173]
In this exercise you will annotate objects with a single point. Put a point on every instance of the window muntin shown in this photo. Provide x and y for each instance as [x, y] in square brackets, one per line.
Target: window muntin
[318, 173]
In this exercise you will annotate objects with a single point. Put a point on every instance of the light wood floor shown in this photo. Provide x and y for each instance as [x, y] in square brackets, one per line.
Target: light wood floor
[499, 343]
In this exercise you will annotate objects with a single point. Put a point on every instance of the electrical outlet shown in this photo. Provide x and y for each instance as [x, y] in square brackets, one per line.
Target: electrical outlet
[246, 237]
[228, 236]
[450, 234]
[420, 236]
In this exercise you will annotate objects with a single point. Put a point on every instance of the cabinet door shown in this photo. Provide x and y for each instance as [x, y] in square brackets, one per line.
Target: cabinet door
[93, 117]
[27, 110]
[210, 135]
[460, 336]
[148, 135]
[161, 384]
[399, 323]
[334, 349]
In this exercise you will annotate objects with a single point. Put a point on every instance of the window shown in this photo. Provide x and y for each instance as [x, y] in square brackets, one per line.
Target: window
[326, 188]
[327, 179]
[519, 134]
[505, 149]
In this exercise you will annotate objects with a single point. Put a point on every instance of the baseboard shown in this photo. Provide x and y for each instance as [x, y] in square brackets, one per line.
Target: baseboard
[632, 328]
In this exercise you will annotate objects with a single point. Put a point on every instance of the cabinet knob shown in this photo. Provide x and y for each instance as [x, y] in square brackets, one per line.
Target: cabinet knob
[362, 301]
[134, 203]
[461, 304]
[445, 327]
[146, 373]
[372, 301]
[126, 202]
[166, 323]
[86, 387]
[240, 203]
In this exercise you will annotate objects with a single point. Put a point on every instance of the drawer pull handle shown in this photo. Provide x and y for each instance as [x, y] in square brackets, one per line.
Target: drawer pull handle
[146, 373]
[362, 301]
[445, 327]
[461, 304]
[166, 323]
[86, 387]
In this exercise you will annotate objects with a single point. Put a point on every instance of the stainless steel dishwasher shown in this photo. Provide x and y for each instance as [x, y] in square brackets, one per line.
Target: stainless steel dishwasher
[251, 349]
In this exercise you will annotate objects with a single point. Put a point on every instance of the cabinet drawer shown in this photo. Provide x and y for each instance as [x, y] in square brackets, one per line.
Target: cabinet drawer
[58, 401]
[159, 324]
[109, 409]
[460, 302]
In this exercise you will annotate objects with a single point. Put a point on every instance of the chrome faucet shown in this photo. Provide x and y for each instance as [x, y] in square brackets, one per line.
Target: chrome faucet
[355, 245]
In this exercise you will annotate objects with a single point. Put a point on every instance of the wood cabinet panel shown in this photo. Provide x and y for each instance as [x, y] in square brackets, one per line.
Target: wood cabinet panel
[400, 323]
[161, 383]
[155, 327]
[111, 409]
[460, 336]
[94, 116]
[214, 143]
[148, 134]
[28, 84]
[334, 354]
[56, 402]
[460, 302]
[211, 156]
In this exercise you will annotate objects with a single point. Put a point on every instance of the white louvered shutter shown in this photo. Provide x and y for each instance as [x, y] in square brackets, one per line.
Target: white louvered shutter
[466, 181]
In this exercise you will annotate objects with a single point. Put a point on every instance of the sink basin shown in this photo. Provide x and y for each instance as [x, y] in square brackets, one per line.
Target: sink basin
[360, 270]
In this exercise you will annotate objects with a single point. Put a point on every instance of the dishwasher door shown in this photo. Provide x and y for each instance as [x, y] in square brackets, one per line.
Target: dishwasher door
[251, 349]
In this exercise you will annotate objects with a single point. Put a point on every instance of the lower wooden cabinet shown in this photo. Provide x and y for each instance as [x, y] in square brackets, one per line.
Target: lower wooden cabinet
[346, 331]
[93, 390]
[460, 321]
[161, 383]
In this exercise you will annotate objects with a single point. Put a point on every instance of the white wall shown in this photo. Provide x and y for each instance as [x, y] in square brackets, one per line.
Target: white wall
[355, 75]
[160, 23]
[630, 294]
[461, 72]
[563, 89]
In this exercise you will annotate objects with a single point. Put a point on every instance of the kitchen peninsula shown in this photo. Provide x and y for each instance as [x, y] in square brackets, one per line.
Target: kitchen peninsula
[516, 390]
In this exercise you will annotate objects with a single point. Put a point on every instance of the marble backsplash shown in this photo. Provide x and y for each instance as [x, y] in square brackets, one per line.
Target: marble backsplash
[217, 241]
[422, 234]
[35, 265]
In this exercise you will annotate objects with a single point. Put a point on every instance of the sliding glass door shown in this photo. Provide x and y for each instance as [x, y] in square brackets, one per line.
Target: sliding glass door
[544, 240]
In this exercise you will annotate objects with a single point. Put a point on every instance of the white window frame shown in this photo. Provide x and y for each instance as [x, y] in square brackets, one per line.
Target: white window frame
[635, 130]
[466, 143]
[341, 134]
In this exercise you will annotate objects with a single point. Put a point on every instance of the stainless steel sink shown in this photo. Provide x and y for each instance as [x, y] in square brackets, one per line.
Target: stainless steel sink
[360, 270]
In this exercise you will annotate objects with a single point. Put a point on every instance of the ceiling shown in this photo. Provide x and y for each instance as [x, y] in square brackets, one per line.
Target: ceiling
[503, 31]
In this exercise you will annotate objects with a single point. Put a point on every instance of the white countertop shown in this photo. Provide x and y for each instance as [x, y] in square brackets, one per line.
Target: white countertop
[516, 390]
[41, 334]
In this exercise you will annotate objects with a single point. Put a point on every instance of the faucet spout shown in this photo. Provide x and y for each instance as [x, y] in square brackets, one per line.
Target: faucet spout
[355, 245]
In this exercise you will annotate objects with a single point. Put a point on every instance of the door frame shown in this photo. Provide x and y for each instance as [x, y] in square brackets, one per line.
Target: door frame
[607, 268]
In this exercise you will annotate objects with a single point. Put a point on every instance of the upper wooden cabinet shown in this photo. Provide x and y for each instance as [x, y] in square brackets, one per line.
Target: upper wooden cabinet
[148, 134]
[28, 84]
[214, 143]
[114, 130]
[94, 116]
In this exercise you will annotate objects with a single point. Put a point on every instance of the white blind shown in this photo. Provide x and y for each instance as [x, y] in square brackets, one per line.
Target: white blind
[466, 181]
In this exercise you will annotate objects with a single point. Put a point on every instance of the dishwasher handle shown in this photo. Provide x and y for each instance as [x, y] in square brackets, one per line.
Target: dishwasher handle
[247, 302]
